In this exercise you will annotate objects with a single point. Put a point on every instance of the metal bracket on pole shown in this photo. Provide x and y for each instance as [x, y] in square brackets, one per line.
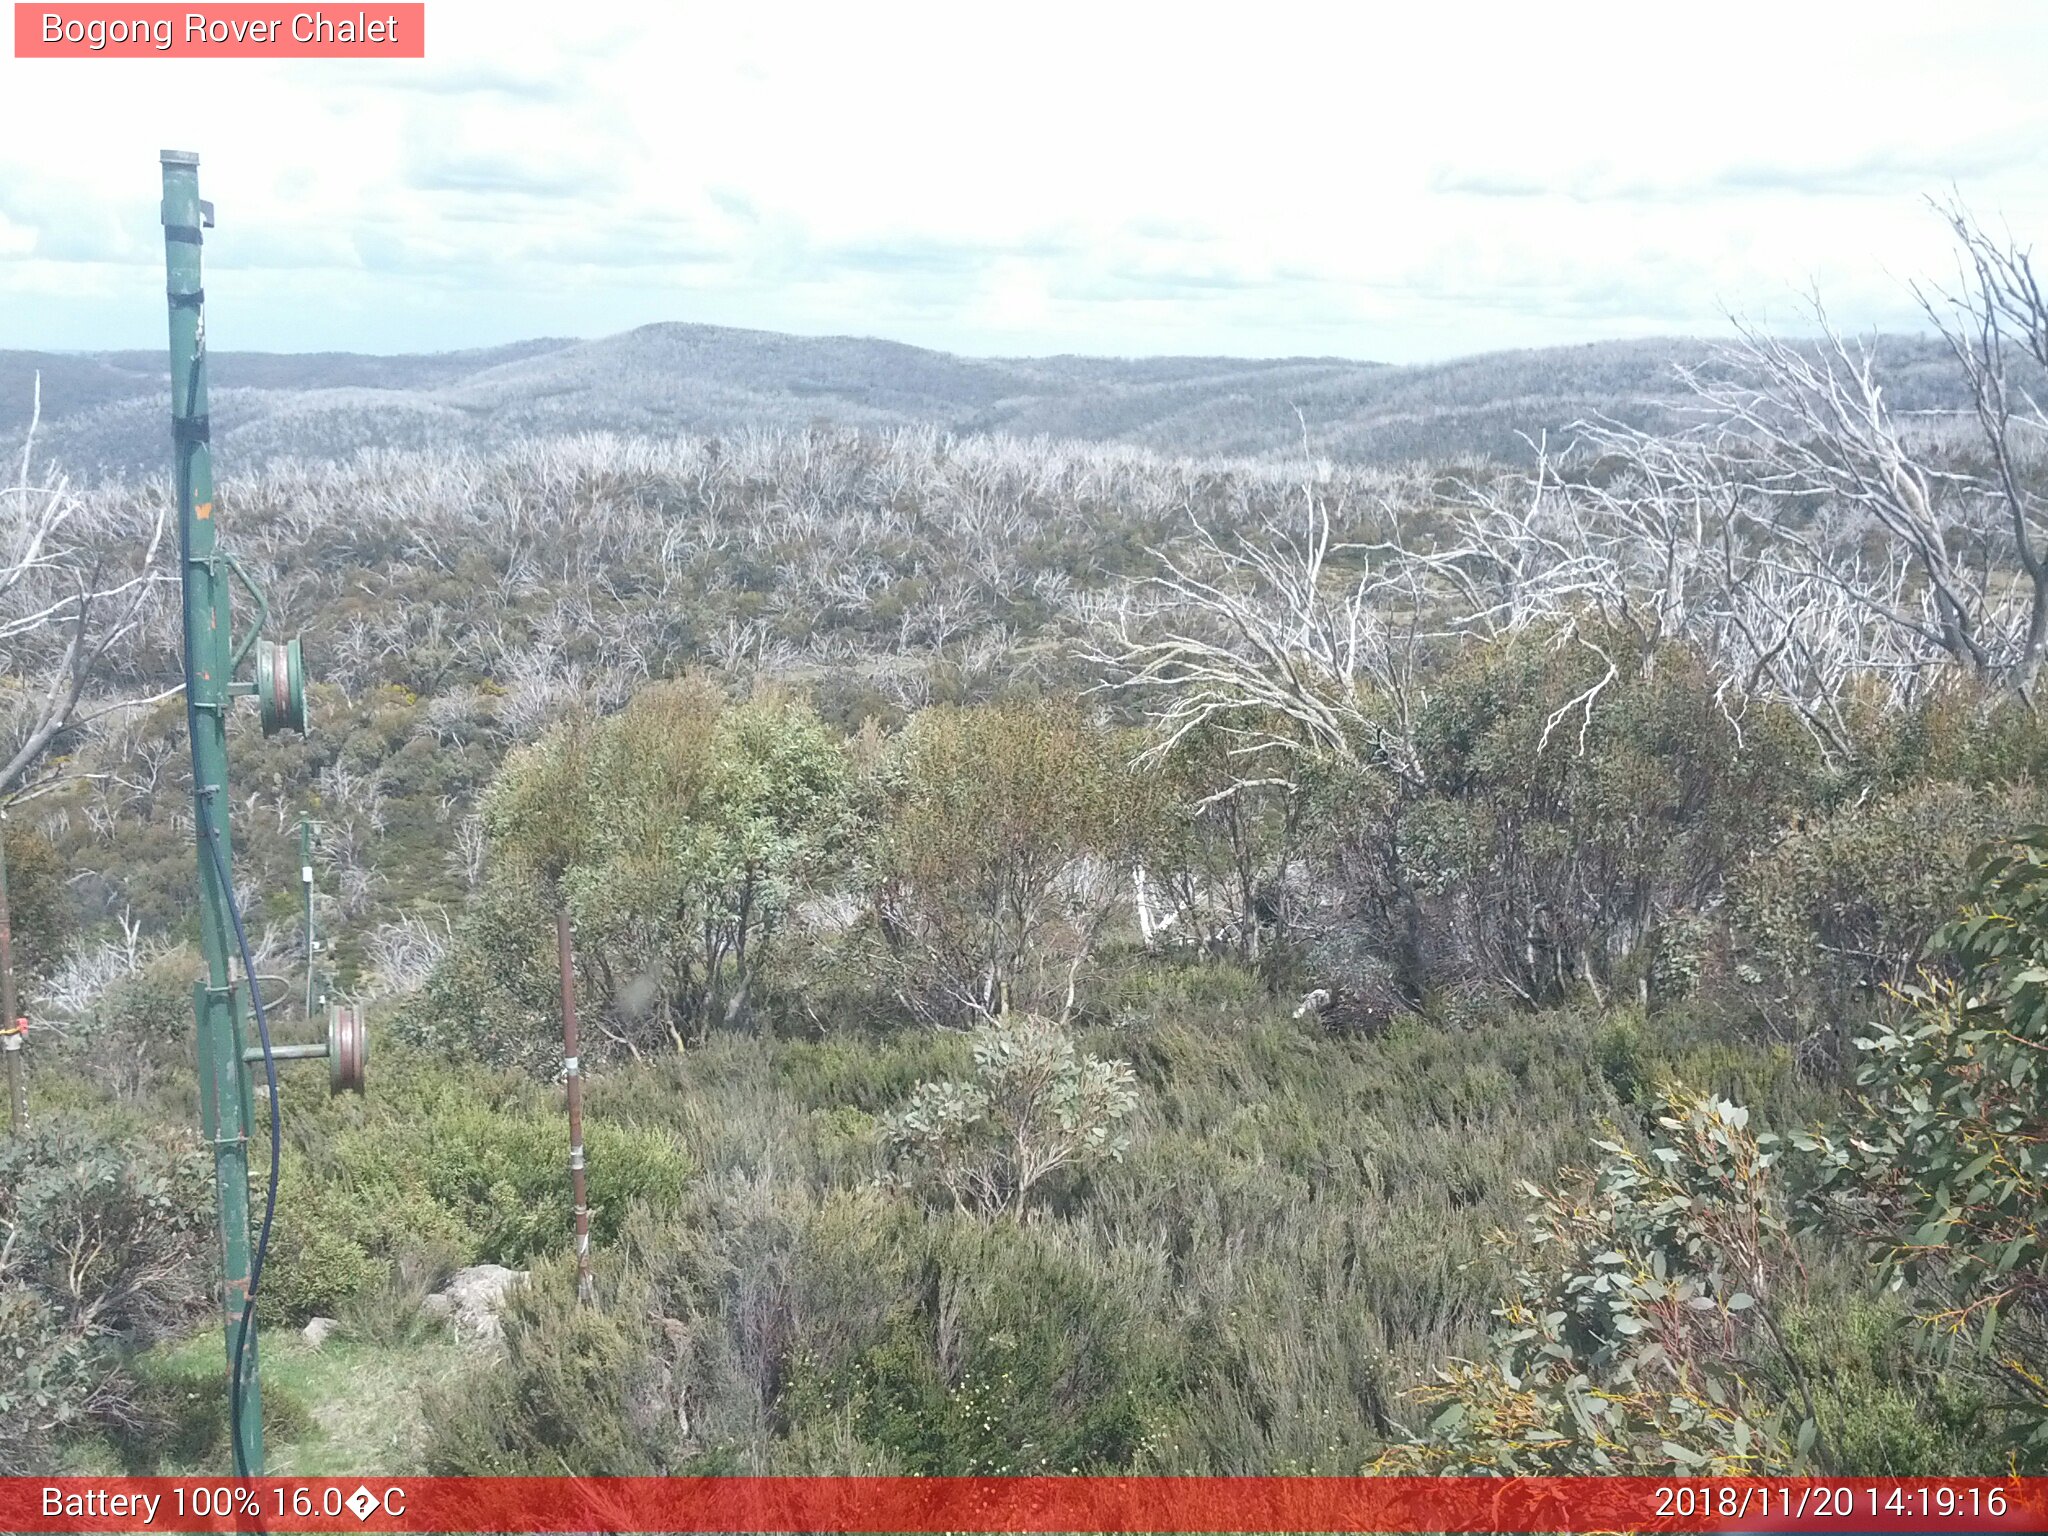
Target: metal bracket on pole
[241, 574]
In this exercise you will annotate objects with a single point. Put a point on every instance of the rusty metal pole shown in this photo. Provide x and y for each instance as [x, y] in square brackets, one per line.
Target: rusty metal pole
[572, 1066]
[17, 1090]
[11, 1031]
[306, 883]
[6, 936]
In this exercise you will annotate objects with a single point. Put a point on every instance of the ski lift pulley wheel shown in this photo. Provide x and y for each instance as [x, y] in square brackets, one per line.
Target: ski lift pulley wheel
[348, 1049]
[281, 686]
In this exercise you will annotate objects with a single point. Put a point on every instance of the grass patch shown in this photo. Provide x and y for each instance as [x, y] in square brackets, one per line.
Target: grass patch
[349, 1407]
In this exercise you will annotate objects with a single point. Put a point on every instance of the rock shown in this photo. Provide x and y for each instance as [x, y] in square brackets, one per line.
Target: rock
[318, 1330]
[1313, 1002]
[473, 1297]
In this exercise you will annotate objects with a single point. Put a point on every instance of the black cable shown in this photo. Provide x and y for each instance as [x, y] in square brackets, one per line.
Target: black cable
[209, 835]
[227, 886]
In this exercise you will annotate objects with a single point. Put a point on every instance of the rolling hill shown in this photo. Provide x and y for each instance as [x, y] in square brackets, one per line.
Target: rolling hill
[104, 413]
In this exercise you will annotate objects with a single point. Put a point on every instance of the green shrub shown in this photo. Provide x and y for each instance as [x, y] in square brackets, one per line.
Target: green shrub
[103, 1247]
[678, 833]
[495, 998]
[1035, 1106]
[393, 1311]
[989, 1350]
[1888, 1395]
[1618, 1048]
[447, 1166]
[1161, 986]
[41, 911]
[135, 1043]
[506, 1177]
[992, 819]
[1955, 732]
[1544, 844]
[1938, 1169]
[868, 1074]
[568, 1392]
[1641, 1305]
[1845, 903]
[312, 1270]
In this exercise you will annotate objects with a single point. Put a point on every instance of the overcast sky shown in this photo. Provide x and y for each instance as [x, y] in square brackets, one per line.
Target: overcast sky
[1366, 180]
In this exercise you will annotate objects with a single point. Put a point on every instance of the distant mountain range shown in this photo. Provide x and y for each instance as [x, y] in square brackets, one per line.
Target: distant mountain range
[104, 413]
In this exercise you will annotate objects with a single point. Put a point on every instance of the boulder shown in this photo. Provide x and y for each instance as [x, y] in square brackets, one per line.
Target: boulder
[473, 1298]
[318, 1330]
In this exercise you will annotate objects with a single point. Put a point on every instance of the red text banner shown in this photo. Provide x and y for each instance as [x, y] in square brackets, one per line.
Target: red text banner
[224, 31]
[1850, 1506]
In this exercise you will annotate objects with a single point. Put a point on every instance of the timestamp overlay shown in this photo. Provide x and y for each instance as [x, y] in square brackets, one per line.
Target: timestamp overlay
[935, 1504]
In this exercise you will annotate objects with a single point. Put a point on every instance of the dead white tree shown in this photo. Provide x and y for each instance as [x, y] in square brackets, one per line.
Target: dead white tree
[1996, 324]
[470, 847]
[1258, 636]
[1662, 540]
[78, 578]
[404, 953]
[1817, 545]
[1807, 427]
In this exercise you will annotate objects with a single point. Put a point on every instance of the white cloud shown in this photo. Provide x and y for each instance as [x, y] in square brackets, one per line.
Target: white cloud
[1373, 181]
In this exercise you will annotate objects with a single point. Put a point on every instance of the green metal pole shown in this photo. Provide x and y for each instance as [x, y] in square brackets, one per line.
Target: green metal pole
[227, 1110]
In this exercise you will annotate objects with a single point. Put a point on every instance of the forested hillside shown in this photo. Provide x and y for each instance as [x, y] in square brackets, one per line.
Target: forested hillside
[104, 412]
[1091, 958]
